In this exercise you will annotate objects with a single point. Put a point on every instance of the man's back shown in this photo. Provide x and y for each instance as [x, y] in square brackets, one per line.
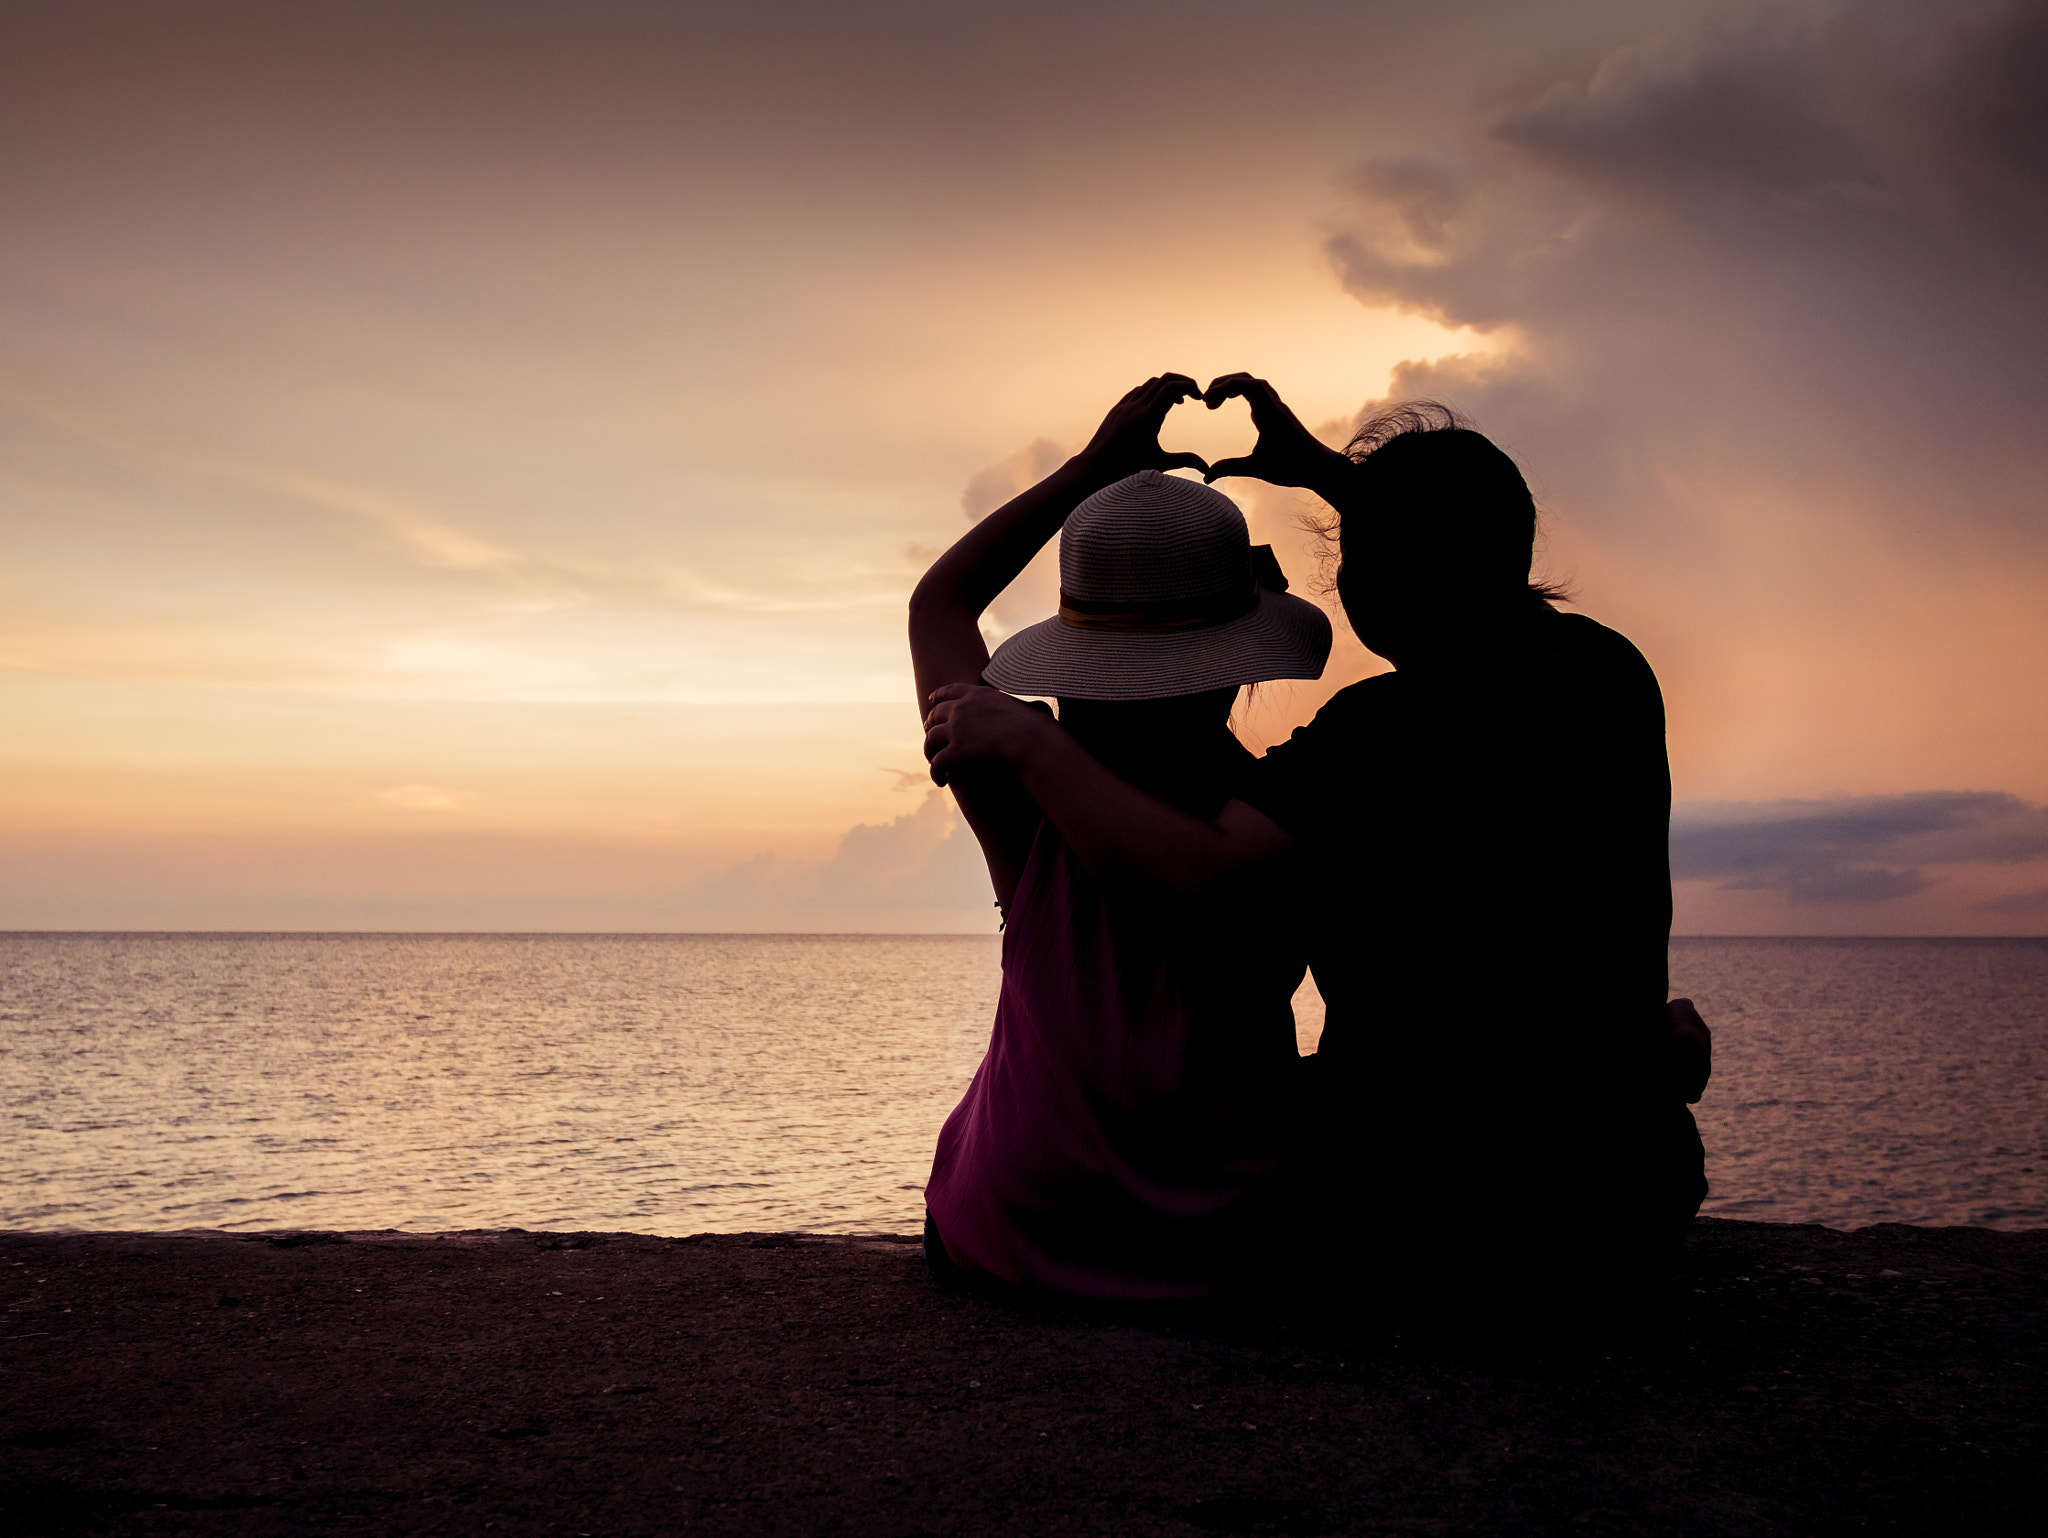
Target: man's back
[1493, 908]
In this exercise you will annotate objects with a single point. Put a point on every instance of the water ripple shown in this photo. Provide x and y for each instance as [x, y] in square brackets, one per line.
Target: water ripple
[677, 1083]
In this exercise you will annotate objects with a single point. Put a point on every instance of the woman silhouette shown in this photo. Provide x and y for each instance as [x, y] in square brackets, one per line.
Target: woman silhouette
[1124, 1132]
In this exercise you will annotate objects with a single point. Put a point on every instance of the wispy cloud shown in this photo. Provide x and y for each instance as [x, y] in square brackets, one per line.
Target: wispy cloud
[527, 576]
[423, 798]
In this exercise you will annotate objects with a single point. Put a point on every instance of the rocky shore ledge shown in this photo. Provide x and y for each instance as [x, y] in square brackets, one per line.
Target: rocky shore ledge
[1795, 1380]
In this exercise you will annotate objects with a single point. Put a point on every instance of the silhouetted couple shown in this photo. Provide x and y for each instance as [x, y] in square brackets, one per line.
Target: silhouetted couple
[1469, 850]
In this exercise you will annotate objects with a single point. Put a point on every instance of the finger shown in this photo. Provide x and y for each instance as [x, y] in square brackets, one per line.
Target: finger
[945, 761]
[952, 691]
[1184, 462]
[1131, 402]
[1167, 391]
[1269, 412]
[1228, 386]
[1173, 388]
[1223, 467]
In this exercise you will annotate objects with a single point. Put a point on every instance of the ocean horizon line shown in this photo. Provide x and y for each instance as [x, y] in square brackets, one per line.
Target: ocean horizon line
[809, 934]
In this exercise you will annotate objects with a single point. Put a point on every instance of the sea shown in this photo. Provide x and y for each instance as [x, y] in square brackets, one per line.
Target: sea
[677, 1084]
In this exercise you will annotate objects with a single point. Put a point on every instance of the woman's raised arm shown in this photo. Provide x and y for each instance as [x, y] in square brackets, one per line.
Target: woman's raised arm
[945, 608]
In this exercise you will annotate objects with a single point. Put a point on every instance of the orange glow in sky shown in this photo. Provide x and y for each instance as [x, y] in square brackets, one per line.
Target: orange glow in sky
[465, 469]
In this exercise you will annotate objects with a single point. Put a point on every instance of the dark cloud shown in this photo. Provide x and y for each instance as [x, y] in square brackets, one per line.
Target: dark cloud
[1699, 115]
[872, 98]
[1851, 850]
[1803, 247]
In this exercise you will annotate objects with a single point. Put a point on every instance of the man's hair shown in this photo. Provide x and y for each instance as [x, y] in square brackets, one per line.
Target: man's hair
[1438, 494]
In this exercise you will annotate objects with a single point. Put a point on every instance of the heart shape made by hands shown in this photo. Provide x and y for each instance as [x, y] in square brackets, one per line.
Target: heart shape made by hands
[1225, 433]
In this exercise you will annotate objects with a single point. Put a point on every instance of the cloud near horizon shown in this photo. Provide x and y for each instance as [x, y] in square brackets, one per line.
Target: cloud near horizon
[1838, 861]
[1855, 849]
[924, 863]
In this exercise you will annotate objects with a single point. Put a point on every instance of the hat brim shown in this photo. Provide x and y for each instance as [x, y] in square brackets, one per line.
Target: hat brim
[1281, 637]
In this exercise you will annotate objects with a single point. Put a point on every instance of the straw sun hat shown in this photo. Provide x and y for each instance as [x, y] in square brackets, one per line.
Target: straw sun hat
[1161, 594]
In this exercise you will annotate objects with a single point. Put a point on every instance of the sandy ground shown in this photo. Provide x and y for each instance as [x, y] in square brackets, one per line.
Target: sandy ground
[1797, 1380]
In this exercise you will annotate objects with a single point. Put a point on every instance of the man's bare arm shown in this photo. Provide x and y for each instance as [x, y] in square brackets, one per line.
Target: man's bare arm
[1116, 829]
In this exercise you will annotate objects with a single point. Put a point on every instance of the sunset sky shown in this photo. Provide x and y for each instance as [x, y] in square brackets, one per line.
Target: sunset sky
[463, 466]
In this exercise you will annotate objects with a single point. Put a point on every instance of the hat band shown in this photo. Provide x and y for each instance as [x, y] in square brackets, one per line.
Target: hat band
[1164, 614]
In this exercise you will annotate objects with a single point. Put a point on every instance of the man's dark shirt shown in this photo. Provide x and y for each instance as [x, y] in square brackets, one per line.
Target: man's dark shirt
[1488, 869]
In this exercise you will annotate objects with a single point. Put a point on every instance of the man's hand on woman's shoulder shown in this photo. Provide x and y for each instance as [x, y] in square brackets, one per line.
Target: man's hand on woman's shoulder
[972, 723]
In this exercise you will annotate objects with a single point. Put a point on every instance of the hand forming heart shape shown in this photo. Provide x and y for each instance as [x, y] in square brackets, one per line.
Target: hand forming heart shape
[1285, 454]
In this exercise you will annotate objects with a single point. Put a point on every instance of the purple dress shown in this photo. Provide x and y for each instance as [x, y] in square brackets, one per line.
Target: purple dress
[1124, 1133]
